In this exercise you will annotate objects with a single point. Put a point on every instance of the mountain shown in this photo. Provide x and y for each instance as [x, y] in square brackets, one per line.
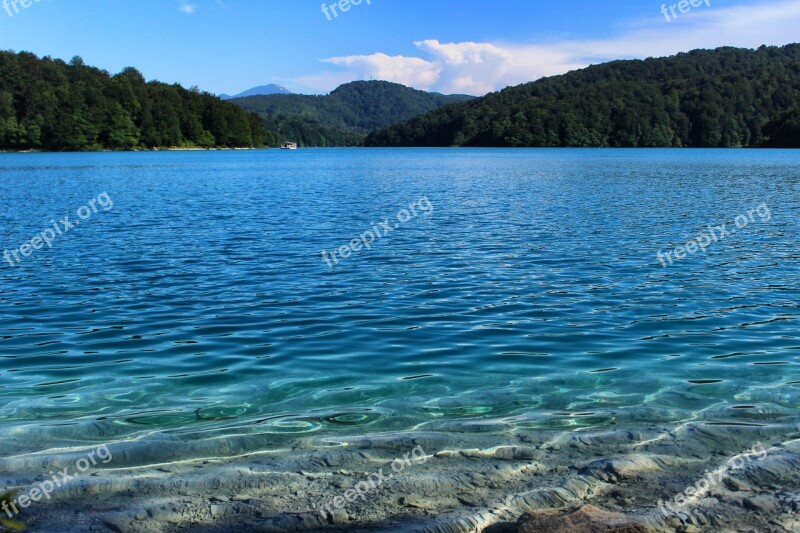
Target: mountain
[47, 104]
[345, 116]
[261, 90]
[727, 97]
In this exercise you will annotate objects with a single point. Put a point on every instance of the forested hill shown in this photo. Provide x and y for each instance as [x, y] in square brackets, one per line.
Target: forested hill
[47, 104]
[726, 97]
[344, 117]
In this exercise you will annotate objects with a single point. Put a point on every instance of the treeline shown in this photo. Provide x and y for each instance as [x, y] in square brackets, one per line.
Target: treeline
[47, 104]
[309, 132]
[346, 115]
[726, 97]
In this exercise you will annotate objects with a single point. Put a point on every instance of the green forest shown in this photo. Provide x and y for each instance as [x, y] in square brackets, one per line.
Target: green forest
[726, 97]
[346, 115]
[47, 104]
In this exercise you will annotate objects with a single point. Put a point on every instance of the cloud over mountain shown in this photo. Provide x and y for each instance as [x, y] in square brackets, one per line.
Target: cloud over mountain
[477, 68]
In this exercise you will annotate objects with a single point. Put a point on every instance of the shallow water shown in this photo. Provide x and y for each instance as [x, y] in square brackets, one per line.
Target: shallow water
[531, 295]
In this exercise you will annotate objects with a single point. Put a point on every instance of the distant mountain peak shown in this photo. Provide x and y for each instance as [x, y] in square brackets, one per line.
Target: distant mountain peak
[346, 115]
[261, 90]
[368, 85]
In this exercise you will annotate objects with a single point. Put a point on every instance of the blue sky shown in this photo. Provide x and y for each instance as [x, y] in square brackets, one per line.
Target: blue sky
[464, 46]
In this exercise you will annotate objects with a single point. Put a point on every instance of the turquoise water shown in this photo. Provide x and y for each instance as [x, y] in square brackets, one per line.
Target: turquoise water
[530, 295]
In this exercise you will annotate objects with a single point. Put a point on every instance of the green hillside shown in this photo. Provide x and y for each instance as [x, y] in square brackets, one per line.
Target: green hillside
[726, 97]
[347, 115]
[47, 104]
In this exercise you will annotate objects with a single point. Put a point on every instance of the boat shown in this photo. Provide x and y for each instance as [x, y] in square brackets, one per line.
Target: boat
[289, 146]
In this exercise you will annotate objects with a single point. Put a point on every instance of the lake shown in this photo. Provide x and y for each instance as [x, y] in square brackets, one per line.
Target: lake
[467, 299]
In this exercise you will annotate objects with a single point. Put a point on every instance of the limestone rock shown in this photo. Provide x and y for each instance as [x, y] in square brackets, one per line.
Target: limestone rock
[587, 519]
[416, 502]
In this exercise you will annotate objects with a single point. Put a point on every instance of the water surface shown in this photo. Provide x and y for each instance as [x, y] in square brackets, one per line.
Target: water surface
[531, 297]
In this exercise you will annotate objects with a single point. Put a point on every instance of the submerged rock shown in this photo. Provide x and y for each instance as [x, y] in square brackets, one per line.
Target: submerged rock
[587, 519]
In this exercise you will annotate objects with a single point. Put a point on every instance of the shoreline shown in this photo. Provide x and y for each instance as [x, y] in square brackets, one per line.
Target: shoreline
[504, 148]
[174, 149]
[467, 482]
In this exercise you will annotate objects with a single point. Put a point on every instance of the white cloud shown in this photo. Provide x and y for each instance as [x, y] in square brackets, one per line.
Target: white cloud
[412, 70]
[188, 8]
[478, 68]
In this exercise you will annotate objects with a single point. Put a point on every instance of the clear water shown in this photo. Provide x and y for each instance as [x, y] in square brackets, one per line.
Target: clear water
[532, 296]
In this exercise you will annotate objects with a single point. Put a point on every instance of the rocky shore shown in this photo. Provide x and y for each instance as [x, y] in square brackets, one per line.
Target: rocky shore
[621, 481]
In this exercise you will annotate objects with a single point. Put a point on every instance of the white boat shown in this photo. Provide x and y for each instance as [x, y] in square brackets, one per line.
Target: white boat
[289, 146]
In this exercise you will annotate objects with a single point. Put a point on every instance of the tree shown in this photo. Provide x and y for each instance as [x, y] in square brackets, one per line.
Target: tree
[707, 98]
[50, 104]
